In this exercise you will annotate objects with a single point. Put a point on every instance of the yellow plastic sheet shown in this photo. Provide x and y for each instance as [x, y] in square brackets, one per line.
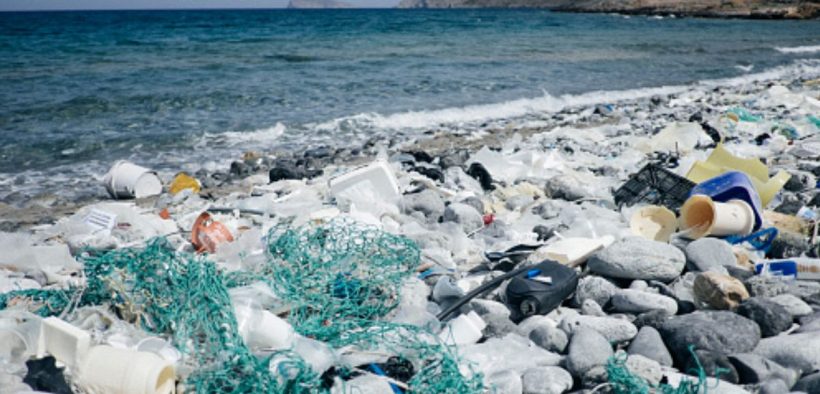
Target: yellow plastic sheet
[183, 181]
[721, 161]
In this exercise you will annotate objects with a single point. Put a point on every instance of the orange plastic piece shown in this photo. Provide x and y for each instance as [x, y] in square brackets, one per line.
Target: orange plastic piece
[208, 233]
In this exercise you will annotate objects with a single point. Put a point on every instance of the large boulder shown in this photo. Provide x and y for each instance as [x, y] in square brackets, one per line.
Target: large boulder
[715, 331]
[639, 258]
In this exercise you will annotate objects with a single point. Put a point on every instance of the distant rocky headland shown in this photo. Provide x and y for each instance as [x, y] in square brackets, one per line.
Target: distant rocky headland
[318, 4]
[760, 9]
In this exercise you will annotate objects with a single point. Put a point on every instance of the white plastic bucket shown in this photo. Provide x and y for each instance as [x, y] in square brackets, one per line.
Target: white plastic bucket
[128, 180]
[123, 371]
[701, 217]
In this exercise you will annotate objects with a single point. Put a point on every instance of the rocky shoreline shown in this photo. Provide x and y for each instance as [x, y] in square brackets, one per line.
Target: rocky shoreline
[627, 308]
[797, 9]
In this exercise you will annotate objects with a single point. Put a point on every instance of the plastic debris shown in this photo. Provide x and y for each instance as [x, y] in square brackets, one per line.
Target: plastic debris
[183, 181]
[701, 216]
[721, 161]
[654, 222]
[128, 180]
[654, 185]
[207, 234]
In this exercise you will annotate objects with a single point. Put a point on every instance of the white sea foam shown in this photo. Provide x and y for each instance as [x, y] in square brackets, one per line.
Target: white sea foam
[800, 49]
[546, 103]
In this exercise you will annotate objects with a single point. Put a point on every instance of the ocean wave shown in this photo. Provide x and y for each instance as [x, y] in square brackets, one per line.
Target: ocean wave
[545, 104]
[800, 49]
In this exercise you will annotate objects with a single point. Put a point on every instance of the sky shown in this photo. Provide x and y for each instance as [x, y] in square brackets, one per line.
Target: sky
[29, 5]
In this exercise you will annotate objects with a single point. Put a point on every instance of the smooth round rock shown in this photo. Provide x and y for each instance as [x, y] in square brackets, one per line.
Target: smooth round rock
[772, 317]
[595, 288]
[587, 349]
[613, 329]
[797, 351]
[507, 382]
[636, 301]
[464, 215]
[795, 306]
[550, 337]
[591, 308]
[719, 291]
[639, 258]
[706, 253]
[652, 319]
[648, 343]
[427, 202]
[546, 380]
[753, 368]
[716, 331]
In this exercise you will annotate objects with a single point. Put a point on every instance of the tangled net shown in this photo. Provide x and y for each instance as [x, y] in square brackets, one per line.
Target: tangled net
[622, 381]
[341, 280]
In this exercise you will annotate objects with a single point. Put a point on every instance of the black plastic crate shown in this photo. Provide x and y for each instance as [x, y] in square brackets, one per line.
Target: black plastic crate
[654, 184]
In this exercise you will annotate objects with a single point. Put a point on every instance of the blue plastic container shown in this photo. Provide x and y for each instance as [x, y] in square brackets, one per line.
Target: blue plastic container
[733, 185]
[783, 268]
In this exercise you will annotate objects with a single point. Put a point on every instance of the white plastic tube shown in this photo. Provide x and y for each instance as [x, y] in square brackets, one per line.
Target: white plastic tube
[701, 216]
[128, 180]
[110, 370]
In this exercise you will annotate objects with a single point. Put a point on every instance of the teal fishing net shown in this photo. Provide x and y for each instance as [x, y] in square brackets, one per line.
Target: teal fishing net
[340, 280]
[623, 381]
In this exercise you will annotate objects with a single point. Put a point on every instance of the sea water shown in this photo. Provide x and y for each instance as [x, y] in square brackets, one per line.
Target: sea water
[182, 89]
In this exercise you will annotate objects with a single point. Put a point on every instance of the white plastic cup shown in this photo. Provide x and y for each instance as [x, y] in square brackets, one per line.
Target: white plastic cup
[123, 371]
[702, 216]
[654, 222]
[128, 180]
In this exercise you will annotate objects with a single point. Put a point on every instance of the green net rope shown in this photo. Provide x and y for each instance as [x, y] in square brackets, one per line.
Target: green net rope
[341, 281]
[622, 381]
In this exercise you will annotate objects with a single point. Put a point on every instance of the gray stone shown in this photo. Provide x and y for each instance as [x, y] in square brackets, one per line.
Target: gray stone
[517, 202]
[550, 338]
[587, 349]
[489, 307]
[591, 308]
[753, 368]
[648, 343]
[498, 325]
[464, 215]
[716, 331]
[652, 319]
[474, 202]
[546, 380]
[613, 329]
[595, 288]
[506, 382]
[707, 253]
[638, 258]
[795, 306]
[811, 326]
[428, 202]
[809, 383]
[636, 301]
[646, 368]
[797, 351]
[773, 386]
[766, 286]
[772, 317]
[713, 364]
[639, 285]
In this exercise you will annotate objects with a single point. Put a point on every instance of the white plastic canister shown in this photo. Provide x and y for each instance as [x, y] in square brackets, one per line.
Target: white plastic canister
[110, 370]
[128, 180]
